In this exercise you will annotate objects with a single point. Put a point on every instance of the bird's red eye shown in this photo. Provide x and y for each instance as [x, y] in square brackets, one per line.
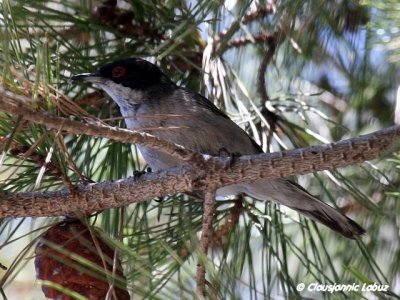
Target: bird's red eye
[118, 72]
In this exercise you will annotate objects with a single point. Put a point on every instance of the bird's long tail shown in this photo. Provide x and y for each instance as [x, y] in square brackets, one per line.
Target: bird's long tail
[294, 196]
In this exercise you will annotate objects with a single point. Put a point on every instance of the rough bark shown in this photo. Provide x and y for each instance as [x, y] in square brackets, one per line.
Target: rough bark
[204, 173]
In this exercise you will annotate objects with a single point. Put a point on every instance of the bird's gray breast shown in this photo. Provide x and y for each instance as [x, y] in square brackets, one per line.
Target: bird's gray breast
[149, 117]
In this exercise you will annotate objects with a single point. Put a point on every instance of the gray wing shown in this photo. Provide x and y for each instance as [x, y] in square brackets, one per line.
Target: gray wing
[218, 128]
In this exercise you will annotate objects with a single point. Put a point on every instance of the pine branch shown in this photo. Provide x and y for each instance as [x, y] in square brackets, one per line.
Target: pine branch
[206, 234]
[203, 173]
[222, 40]
[12, 103]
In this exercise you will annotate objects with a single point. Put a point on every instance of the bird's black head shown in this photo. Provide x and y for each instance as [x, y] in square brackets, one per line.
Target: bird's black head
[135, 73]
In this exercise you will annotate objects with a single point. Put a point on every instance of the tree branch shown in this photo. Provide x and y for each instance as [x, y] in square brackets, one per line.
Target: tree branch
[222, 40]
[206, 234]
[205, 174]
[15, 104]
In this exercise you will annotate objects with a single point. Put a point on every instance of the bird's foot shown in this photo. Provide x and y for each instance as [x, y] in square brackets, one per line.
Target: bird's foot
[137, 173]
[223, 152]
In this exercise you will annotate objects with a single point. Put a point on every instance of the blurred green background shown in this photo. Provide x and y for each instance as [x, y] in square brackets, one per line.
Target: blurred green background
[292, 73]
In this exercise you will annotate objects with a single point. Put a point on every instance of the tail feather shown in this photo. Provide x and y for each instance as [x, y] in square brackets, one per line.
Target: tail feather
[328, 215]
[294, 196]
[336, 221]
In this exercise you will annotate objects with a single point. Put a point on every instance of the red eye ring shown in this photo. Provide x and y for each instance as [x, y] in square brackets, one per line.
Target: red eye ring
[118, 72]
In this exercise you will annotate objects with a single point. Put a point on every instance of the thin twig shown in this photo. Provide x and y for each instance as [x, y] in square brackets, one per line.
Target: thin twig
[220, 43]
[231, 222]
[262, 89]
[267, 109]
[206, 234]
[261, 37]
[152, 116]
[116, 263]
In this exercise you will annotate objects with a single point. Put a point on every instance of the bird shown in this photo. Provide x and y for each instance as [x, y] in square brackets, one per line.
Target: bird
[140, 88]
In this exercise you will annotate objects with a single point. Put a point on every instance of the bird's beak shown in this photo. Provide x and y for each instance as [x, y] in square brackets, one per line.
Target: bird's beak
[90, 77]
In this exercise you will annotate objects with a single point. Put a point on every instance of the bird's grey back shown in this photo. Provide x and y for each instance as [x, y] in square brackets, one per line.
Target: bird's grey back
[197, 125]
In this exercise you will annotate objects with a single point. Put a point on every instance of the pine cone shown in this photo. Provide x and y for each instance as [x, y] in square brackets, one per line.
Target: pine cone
[67, 256]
